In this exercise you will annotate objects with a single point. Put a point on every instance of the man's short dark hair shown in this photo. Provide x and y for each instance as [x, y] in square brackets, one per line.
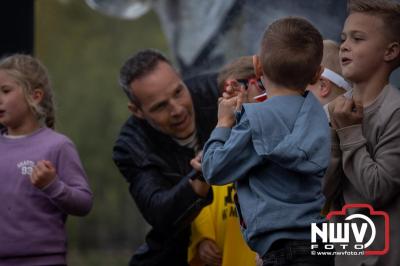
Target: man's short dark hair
[138, 66]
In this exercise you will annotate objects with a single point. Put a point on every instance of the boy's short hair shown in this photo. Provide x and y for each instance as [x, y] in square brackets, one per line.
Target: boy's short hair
[388, 11]
[291, 52]
[239, 68]
[330, 57]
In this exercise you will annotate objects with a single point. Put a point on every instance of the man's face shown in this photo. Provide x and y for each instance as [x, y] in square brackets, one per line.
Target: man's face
[363, 46]
[165, 102]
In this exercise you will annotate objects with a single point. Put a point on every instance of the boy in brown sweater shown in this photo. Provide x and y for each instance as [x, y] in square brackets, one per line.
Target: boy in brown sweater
[365, 166]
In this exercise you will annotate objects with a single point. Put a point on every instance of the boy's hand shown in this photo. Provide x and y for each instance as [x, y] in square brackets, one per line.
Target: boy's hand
[236, 89]
[345, 112]
[209, 252]
[226, 112]
[43, 173]
[228, 93]
[227, 108]
[232, 89]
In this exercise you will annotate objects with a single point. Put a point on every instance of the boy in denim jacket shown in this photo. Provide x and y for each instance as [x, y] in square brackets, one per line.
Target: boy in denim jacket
[278, 151]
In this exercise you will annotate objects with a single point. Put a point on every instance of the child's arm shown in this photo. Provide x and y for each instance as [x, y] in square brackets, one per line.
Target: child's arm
[229, 153]
[334, 173]
[68, 189]
[375, 176]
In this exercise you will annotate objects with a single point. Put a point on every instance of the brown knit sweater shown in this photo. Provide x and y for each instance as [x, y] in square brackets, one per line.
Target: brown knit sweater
[365, 168]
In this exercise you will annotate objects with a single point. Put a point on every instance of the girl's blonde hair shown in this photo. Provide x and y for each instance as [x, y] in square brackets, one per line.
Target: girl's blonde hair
[31, 74]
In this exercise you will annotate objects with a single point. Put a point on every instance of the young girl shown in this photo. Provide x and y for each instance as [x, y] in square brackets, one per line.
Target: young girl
[41, 176]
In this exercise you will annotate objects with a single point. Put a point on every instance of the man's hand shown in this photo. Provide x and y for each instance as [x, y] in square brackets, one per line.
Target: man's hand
[345, 112]
[196, 161]
[199, 187]
[209, 252]
[43, 173]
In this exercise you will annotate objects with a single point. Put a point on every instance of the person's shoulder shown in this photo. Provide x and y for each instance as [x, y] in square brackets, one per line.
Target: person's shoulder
[255, 115]
[135, 141]
[203, 86]
[393, 94]
[53, 141]
[391, 101]
[132, 131]
[56, 139]
[262, 109]
[199, 81]
[256, 106]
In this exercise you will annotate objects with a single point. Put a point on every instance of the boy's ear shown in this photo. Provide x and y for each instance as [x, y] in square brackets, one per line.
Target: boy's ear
[135, 110]
[317, 75]
[37, 95]
[325, 87]
[392, 51]
[257, 66]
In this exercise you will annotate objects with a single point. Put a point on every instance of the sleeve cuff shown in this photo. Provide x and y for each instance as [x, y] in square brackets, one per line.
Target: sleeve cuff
[188, 193]
[54, 189]
[197, 203]
[350, 136]
[221, 133]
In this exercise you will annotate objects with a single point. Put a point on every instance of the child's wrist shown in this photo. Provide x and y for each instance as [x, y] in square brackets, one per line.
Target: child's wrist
[225, 123]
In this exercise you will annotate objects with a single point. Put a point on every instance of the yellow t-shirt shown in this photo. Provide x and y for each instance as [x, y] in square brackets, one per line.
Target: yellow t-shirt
[219, 222]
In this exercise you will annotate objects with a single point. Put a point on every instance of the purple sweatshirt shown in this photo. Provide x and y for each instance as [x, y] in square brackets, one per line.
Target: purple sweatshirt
[32, 220]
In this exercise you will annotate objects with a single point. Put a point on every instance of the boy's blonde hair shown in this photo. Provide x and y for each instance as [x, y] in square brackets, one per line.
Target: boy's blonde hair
[330, 58]
[291, 52]
[388, 11]
[240, 68]
[31, 74]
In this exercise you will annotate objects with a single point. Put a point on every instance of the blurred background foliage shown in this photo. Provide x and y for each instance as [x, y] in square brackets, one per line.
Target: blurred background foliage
[83, 51]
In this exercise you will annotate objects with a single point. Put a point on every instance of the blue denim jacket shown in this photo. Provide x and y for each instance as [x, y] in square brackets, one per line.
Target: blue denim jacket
[277, 154]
